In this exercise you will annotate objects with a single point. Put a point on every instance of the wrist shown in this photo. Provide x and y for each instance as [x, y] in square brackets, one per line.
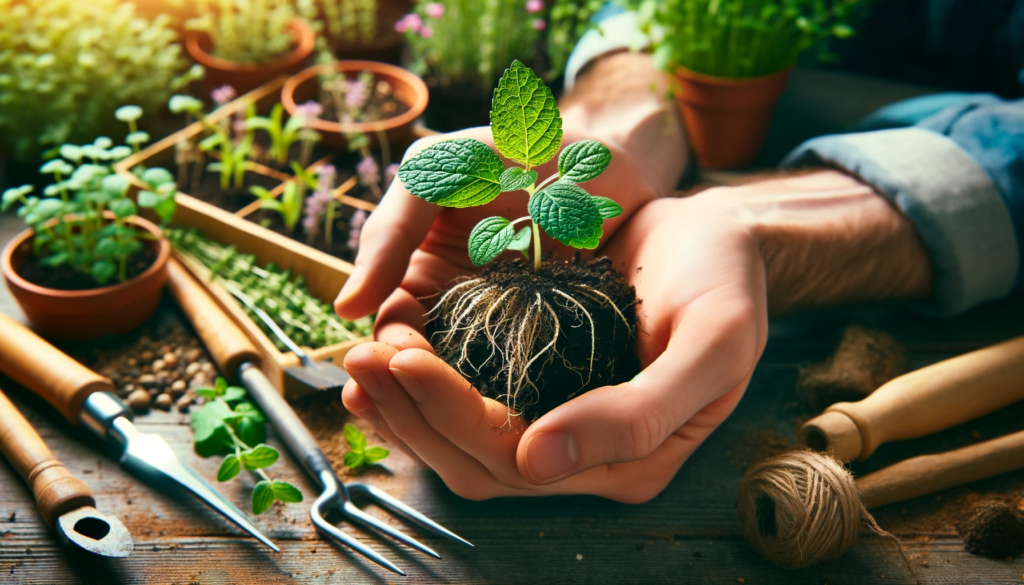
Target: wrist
[829, 239]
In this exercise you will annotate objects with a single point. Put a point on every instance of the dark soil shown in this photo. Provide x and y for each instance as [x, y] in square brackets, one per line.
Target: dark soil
[994, 527]
[378, 107]
[864, 360]
[235, 199]
[66, 278]
[561, 374]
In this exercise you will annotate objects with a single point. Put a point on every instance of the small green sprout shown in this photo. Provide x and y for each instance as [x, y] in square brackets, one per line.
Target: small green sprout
[359, 454]
[284, 134]
[228, 424]
[527, 130]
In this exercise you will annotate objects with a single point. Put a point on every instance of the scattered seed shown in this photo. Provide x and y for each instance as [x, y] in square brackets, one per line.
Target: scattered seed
[164, 401]
[139, 401]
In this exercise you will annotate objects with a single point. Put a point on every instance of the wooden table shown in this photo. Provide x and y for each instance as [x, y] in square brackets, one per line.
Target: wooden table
[688, 534]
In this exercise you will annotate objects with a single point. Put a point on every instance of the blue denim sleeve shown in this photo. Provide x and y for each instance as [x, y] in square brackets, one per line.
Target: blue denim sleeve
[958, 175]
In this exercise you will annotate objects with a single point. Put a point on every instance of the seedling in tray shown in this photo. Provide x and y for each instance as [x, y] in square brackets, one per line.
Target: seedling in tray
[530, 333]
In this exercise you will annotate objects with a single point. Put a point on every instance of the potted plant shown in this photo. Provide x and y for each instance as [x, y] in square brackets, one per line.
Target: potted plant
[88, 265]
[245, 45]
[65, 63]
[363, 29]
[529, 332]
[731, 59]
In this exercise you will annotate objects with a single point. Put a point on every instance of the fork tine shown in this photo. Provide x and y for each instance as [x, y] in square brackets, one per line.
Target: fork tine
[350, 542]
[353, 513]
[400, 508]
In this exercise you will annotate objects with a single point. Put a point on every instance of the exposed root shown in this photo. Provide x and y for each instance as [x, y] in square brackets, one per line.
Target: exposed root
[593, 338]
[608, 300]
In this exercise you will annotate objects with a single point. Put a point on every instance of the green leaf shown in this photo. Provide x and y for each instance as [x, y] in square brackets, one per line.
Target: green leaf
[156, 176]
[375, 454]
[229, 468]
[516, 178]
[128, 113]
[568, 214]
[455, 173]
[220, 385]
[208, 427]
[44, 210]
[584, 160]
[260, 457]
[262, 497]
[55, 260]
[123, 208]
[137, 138]
[607, 208]
[13, 195]
[234, 394]
[286, 492]
[115, 186]
[521, 241]
[108, 247]
[252, 431]
[147, 199]
[166, 208]
[525, 122]
[103, 271]
[354, 459]
[249, 411]
[206, 392]
[489, 238]
[355, 438]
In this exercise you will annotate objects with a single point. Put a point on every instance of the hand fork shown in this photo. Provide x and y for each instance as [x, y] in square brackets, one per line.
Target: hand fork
[237, 357]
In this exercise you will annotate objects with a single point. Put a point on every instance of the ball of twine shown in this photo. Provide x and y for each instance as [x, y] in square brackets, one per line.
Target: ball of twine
[802, 507]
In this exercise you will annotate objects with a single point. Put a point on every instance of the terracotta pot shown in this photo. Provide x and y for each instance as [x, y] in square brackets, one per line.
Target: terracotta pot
[408, 88]
[387, 43]
[86, 314]
[245, 77]
[727, 119]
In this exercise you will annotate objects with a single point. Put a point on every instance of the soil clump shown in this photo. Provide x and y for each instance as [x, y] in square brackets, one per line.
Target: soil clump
[994, 527]
[863, 361]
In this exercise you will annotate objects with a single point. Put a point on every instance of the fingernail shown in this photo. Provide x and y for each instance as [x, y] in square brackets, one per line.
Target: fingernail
[414, 387]
[369, 381]
[550, 455]
[351, 285]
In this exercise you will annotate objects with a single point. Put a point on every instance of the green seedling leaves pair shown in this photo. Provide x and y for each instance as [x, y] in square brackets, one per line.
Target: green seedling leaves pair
[359, 454]
[527, 129]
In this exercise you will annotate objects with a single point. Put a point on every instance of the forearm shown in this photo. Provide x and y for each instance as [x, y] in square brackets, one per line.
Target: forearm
[828, 239]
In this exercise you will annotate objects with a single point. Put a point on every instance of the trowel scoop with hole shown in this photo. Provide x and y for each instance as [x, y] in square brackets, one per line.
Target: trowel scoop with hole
[63, 500]
[316, 375]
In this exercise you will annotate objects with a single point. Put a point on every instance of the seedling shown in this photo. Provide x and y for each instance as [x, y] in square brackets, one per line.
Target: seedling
[283, 135]
[505, 317]
[228, 424]
[359, 455]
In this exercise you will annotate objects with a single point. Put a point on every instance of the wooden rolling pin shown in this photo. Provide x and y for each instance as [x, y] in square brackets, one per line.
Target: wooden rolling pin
[922, 402]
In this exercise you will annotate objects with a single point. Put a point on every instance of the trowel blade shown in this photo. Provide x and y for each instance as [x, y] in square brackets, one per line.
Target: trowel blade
[95, 532]
[319, 376]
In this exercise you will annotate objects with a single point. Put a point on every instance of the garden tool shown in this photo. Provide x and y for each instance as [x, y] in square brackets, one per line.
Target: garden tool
[317, 375]
[239, 359]
[63, 500]
[85, 398]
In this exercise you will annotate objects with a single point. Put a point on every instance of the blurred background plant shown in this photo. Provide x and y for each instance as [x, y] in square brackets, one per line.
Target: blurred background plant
[246, 31]
[742, 38]
[66, 64]
[351, 21]
[567, 21]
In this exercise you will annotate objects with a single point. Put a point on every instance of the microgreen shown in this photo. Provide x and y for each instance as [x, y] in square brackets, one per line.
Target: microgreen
[228, 424]
[527, 130]
[359, 455]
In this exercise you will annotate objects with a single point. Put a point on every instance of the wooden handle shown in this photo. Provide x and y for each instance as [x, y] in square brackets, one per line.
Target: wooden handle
[931, 473]
[30, 361]
[225, 340]
[923, 402]
[55, 489]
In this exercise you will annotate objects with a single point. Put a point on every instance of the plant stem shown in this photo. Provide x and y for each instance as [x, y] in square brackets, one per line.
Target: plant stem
[536, 246]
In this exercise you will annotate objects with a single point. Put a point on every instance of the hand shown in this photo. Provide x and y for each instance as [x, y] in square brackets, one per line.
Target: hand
[702, 323]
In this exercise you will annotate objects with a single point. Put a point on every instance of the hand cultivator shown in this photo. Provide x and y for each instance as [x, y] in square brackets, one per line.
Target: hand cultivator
[237, 356]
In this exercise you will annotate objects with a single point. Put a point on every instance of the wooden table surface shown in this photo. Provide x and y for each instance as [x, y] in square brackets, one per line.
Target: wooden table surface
[688, 534]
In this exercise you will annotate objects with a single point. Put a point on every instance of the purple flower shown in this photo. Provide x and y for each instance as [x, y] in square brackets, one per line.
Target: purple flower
[426, 32]
[316, 205]
[390, 173]
[368, 171]
[223, 94]
[356, 96]
[435, 10]
[539, 24]
[356, 228]
[309, 110]
[325, 177]
[534, 6]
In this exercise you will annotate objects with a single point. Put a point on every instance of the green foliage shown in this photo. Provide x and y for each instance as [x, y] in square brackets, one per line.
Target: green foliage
[283, 135]
[66, 64]
[219, 428]
[69, 222]
[741, 38]
[351, 21]
[567, 21]
[289, 205]
[255, 31]
[527, 129]
[359, 455]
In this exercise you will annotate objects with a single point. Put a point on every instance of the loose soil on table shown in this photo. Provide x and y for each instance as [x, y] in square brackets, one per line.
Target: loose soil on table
[994, 527]
[67, 278]
[864, 360]
[481, 335]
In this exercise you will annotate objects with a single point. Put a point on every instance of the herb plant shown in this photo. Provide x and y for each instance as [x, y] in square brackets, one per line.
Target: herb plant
[230, 140]
[741, 38]
[253, 31]
[527, 130]
[284, 134]
[359, 455]
[65, 64]
[351, 21]
[228, 424]
[69, 221]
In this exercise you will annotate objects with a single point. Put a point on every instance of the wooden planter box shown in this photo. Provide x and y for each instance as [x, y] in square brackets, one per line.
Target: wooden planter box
[324, 274]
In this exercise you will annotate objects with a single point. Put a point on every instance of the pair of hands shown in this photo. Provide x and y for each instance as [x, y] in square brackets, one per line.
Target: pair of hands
[702, 327]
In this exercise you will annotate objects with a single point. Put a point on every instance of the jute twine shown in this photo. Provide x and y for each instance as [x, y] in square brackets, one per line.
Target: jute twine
[803, 507]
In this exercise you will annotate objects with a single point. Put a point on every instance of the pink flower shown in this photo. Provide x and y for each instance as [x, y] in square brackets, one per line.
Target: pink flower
[534, 6]
[426, 32]
[400, 26]
[411, 21]
[356, 228]
[539, 24]
[309, 110]
[223, 94]
[434, 10]
[368, 171]
[356, 95]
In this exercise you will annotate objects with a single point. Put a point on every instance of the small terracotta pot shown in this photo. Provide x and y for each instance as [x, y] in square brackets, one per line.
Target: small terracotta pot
[727, 119]
[86, 314]
[245, 77]
[407, 87]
